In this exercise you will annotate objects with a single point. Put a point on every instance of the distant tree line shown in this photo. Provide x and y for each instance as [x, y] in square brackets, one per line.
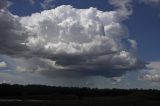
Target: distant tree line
[15, 91]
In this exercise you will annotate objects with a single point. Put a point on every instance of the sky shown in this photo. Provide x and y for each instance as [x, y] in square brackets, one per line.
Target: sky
[82, 43]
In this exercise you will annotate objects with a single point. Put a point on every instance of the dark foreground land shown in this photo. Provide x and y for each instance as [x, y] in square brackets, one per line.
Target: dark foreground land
[38, 95]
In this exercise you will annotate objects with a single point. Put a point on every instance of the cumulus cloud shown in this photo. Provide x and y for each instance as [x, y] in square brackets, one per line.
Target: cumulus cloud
[48, 4]
[66, 41]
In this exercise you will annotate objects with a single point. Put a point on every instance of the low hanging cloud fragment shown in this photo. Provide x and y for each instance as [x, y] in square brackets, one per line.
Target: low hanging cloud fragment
[70, 42]
[3, 64]
[152, 73]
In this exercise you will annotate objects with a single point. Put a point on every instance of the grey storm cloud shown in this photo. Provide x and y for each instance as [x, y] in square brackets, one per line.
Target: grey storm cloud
[11, 34]
[70, 42]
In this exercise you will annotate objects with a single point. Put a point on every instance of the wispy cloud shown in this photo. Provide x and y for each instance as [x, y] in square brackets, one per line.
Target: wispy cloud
[4, 4]
[48, 4]
[150, 2]
[32, 2]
